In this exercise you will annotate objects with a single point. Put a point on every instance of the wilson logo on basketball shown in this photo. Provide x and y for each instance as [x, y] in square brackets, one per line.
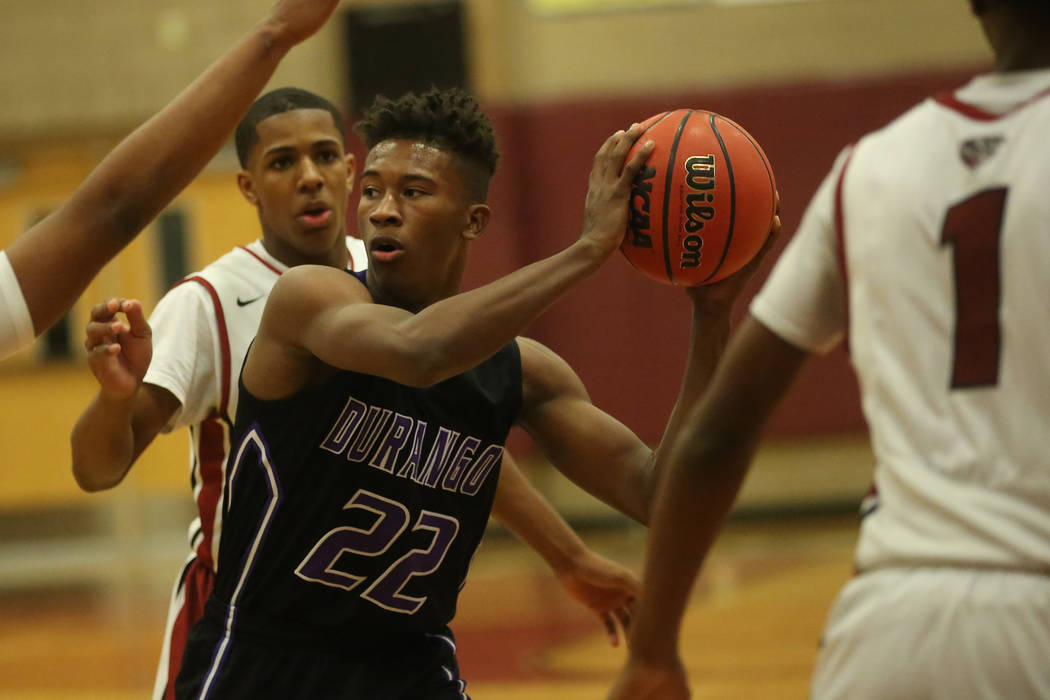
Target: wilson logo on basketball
[701, 208]
[641, 203]
[699, 177]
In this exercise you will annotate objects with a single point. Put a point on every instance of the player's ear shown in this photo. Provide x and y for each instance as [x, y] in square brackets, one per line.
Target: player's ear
[247, 187]
[351, 172]
[477, 219]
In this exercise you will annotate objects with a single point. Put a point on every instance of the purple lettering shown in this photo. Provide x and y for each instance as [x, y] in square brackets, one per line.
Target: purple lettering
[395, 439]
[344, 427]
[437, 460]
[369, 433]
[475, 479]
[460, 463]
[414, 457]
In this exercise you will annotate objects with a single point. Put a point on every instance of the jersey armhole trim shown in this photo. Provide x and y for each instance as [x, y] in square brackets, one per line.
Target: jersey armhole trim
[224, 341]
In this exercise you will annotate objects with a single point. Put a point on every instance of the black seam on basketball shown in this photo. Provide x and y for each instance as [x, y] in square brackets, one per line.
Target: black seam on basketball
[732, 199]
[668, 178]
[662, 117]
[765, 162]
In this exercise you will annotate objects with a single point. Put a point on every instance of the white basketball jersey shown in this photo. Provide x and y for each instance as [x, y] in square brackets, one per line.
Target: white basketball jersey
[202, 329]
[938, 229]
[16, 326]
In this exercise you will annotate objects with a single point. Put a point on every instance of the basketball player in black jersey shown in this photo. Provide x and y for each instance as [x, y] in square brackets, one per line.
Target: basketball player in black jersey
[171, 372]
[372, 419]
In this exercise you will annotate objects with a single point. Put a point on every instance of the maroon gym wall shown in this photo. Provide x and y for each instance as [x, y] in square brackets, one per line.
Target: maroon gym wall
[624, 334]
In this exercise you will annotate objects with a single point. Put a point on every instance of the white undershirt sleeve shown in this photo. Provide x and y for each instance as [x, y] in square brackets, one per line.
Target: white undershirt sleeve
[16, 325]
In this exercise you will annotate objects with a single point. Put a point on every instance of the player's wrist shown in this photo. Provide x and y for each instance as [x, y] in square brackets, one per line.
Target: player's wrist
[653, 651]
[712, 315]
[592, 250]
[117, 399]
[567, 559]
[275, 36]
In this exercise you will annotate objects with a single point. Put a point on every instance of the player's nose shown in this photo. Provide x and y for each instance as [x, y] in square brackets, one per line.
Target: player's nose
[385, 211]
[309, 176]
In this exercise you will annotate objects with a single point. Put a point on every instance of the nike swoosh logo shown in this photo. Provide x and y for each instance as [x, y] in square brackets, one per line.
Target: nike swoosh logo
[242, 302]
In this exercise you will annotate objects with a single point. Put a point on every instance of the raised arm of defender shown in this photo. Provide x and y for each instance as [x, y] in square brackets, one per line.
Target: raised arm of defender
[139, 177]
[152, 165]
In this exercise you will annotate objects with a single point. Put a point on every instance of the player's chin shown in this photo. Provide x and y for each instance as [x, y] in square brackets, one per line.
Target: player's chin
[326, 230]
[316, 240]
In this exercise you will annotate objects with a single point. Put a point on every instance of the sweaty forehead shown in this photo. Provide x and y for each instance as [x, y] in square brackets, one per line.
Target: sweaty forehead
[406, 155]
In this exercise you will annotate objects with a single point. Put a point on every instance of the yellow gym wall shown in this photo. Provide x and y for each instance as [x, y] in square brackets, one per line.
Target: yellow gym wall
[42, 401]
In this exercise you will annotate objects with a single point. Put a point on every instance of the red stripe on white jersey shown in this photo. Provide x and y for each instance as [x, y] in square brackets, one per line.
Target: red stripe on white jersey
[840, 235]
[211, 451]
[224, 339]
[949, 100]
[255, 255]
[212, 440]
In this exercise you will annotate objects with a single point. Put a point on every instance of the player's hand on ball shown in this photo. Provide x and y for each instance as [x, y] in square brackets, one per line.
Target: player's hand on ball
[727, 290]
[119, 351]
[609, 189]
[700, 209]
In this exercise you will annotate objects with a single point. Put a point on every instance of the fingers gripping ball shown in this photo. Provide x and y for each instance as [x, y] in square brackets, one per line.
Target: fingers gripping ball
[702, 205]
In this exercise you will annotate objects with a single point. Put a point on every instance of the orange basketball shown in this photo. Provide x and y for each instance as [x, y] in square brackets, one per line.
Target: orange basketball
[703, 202]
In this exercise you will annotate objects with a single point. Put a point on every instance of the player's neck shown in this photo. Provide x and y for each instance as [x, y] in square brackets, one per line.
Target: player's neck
[338, 256]
[1021, 58]
[1019, 45]
[413, 300]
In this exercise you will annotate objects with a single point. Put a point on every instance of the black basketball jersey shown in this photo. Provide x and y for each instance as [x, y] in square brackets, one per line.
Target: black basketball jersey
[354, 508]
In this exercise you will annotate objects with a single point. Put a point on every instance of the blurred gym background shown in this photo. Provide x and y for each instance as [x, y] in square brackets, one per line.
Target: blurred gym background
[805, 77]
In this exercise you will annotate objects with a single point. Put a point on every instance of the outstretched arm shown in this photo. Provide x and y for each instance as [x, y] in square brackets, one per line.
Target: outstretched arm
[706, 464]
[152, 165]
[712, 307]
[596, 451]
[604, 586]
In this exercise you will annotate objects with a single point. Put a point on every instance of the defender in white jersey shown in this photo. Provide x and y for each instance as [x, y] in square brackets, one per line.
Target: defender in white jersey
[181, 368]
[140, 177]
[928, 248]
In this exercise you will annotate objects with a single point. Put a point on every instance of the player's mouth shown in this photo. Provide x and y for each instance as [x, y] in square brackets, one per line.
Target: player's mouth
[315, 215]
[385, 248]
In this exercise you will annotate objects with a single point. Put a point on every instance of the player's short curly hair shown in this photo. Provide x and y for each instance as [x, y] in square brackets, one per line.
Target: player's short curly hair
[278, 102]
[447, 118]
